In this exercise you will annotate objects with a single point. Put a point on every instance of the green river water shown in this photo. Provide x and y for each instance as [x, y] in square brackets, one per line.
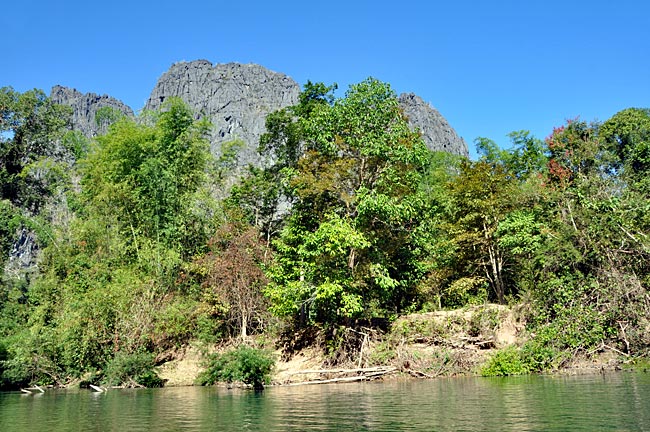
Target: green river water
[613, 401]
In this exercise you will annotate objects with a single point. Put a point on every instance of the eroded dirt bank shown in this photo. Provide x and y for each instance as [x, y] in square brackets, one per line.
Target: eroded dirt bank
[424, 345]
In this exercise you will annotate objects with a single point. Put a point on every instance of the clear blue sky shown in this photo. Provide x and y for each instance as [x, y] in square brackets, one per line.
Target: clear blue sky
[490, 67]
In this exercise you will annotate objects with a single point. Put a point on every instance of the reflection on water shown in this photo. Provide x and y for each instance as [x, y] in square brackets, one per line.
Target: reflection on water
[618, 402]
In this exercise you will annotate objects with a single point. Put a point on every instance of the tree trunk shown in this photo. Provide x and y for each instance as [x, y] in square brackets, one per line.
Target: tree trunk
[496, 266]
[244, 324]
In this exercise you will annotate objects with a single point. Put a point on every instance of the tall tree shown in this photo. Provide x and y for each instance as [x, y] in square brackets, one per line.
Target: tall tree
[627, 135]
[232, 275]
[32, 128]
[149, 175]
[482, 196]
[109, 284]
[349, 247]
[266, 193]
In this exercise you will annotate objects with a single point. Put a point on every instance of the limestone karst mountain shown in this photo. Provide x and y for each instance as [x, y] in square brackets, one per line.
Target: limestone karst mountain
[85, 107]
[237, 98]
[436, 131]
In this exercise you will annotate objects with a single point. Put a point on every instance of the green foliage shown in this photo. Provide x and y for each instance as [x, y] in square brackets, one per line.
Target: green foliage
[109, 279]
[362, 220]
[226, 163]
[482, 196]
[244, 364]
[382, 354]
[4, 355]
[131, 370]
[148, 175]
[505, 362]
[627, 134]
[31, 130]
[350, 245]
[465, 291]
[10, 221]
[77, 144]
[106, 116]
[591, 247]
[526, 157]
[175, 322]
[562, 225]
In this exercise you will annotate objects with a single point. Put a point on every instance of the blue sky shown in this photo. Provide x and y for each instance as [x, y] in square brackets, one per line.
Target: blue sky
[488, 67]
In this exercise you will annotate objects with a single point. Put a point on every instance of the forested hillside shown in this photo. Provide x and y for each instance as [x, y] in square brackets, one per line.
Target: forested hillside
[349, 220]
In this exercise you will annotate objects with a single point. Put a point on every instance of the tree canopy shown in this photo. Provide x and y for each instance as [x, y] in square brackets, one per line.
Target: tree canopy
[349, 218]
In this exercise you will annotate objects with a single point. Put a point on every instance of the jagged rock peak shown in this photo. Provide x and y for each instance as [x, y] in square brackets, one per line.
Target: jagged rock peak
[435, 129]
[235, 97]
[199, 81]
[85, 107]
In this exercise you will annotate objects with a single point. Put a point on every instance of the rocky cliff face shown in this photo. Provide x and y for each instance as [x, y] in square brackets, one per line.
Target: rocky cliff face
[437, 133]
[85, 107]
[23, 257]
[235, 97]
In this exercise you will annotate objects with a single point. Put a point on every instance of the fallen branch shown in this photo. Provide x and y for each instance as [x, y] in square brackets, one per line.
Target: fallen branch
[615, 350]
[418, 374]
[477, 341]
[602, 346]
[383, 369]
[362, 374]
[333, 380]
[30, 389]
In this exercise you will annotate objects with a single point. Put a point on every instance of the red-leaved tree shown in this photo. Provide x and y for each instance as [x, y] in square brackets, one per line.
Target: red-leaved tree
[233, 274]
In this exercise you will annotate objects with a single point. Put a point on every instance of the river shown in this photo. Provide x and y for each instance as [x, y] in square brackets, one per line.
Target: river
[613, 401]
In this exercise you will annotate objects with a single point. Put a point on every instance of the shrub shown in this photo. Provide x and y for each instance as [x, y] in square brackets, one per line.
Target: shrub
[132, 369]
[505, 362]
[244, 364]
[466, 291]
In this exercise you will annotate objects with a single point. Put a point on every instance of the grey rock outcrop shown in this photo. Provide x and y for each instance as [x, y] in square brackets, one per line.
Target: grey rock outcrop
[436, 131]
[85, 107]
[235, 97]
[23, 257]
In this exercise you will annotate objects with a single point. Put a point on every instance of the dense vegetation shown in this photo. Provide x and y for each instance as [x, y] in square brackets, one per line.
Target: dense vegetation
[351, 219]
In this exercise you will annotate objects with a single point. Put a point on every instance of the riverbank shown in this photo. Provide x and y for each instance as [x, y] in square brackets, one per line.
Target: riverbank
[423, 345]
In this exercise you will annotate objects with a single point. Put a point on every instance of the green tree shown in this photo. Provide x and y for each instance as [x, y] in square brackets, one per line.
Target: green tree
[489, 227]
[106, 116]
[32, 128]
[109, 284]
[349, 247]
[627, 135]
[149, 176]
[482, 195]
[266, 193]
[591, 264]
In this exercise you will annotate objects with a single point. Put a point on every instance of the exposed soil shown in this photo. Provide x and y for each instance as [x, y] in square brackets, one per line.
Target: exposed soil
[425, 345]
[184, 370]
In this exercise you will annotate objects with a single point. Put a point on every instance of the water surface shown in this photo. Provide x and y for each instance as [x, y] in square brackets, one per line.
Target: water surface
[616, 402]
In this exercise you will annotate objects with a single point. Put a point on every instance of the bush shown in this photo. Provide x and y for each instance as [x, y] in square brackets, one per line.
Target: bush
[132, 369]
[244, 364]
[465, 291]
[4, 356]
[505, 362]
